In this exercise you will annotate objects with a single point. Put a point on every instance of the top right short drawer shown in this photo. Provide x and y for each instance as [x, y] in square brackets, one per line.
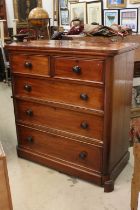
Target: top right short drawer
[79, 69]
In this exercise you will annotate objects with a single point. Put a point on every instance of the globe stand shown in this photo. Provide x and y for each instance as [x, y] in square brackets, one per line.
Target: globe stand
[41, 26]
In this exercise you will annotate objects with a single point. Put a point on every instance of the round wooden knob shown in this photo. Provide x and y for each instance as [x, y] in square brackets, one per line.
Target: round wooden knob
[28, 88]
[76, 69]
[29, 112]
[29, 139]
[84, 125]
[28, 64]
[83, 155]
[84, 96]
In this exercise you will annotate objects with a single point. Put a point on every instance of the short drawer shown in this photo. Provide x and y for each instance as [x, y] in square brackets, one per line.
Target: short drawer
[84, 124]
[59, 147]
[80, 69]
[62, 92]
[30, 64]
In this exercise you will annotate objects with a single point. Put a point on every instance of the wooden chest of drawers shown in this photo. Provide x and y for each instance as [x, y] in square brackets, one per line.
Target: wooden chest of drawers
[72, 106]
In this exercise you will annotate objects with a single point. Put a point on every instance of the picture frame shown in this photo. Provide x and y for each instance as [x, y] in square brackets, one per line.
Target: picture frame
[63, 4]
[111, 16]
[134, 1]
[78, 11]
[64, 17]
[94, 12]
[116, 4]
[22, 9]
[129, 18]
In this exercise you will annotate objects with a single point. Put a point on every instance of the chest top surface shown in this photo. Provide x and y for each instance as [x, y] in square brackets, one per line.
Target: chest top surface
[69, 46]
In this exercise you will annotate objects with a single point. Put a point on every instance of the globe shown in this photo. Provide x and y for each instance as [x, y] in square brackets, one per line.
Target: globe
[38, 17]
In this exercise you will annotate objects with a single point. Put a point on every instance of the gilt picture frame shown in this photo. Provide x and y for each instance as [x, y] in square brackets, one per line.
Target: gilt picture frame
[134, 1]
[22, 9]
[94, 12]
[116, 4]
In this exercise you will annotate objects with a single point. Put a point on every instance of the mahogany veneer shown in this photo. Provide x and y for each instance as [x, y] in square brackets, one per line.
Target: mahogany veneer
[72, 106]
[5, 194]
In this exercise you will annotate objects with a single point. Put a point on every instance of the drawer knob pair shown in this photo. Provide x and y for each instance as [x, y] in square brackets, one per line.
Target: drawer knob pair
[30, 139]
[29, 112]
[84, 96]
[28, 64]
[83, 155]
[28, 88]
[84, 125]
[76, 69]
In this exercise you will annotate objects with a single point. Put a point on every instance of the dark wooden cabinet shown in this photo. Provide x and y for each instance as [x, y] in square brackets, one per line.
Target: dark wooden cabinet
[72, 104]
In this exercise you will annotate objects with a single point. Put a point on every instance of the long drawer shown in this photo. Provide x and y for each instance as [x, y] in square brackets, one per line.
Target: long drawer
[30, 64]
[62, 92]
[84, 124]
[65, 149]
[80, 69]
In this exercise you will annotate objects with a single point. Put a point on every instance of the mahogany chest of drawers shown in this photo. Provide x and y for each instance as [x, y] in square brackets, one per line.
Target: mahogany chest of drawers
[72, 106]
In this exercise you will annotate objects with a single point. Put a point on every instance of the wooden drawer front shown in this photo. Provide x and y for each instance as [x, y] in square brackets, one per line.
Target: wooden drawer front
[75, 94]
[71, 121]
[60, 147]
[79, 69]
[30, 64]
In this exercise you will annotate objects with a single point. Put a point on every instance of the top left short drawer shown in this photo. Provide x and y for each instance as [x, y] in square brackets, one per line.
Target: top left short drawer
[30, 64]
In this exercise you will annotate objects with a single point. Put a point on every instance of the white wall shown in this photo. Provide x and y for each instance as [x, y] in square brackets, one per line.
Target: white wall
[48, 5]
[10, 12]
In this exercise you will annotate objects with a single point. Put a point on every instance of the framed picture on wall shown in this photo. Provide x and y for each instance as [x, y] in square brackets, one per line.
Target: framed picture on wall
[116, 4]
[134, 1]
[63, 4]
[63, 12]
[78, 11]
[94, 12]
[129, 18]
[22, 9]
[111, 16]
[64, 17]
